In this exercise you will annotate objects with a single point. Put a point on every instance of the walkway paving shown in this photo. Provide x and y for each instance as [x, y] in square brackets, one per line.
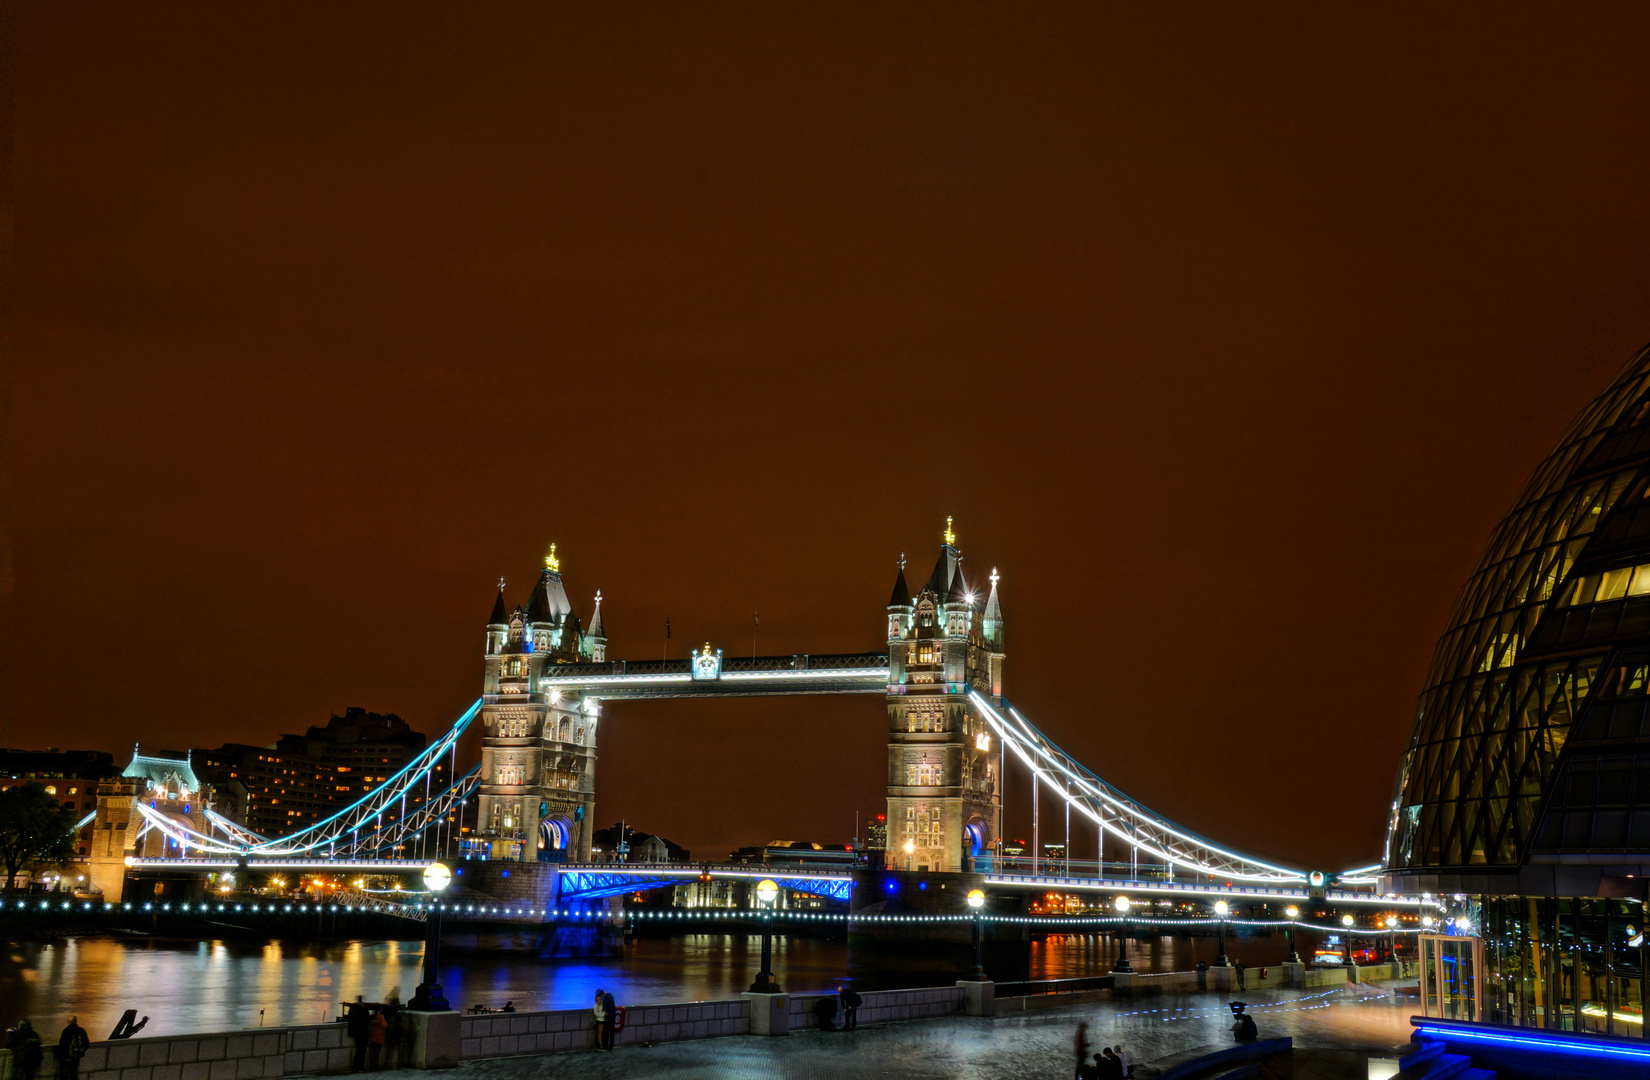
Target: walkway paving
[1037, 1044]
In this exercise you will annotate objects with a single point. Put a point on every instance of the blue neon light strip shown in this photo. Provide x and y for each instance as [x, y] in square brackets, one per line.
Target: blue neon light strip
[1550, 1043]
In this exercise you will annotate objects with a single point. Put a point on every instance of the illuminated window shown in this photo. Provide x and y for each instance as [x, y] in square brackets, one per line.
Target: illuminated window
[515, 667]
[925, 718]
[925, 775]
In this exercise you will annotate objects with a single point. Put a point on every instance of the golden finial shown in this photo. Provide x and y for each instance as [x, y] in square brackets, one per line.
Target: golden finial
[551, 563]
[707, 648]
[950, 537]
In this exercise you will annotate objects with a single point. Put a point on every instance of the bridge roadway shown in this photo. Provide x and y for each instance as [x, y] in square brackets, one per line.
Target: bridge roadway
[591, 881]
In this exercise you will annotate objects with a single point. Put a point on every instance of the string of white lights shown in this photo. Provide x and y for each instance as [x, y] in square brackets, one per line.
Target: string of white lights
[385, 907]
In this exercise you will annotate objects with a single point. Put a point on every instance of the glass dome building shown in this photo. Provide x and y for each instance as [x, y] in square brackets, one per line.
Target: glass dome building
[1524, 792]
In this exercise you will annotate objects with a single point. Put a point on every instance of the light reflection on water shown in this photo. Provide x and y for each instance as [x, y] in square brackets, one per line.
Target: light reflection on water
[223, 985]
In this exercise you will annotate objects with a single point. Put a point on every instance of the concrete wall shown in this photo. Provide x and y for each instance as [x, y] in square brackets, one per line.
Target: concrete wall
[509, 1034]
[238, 1055]
[883, 1006]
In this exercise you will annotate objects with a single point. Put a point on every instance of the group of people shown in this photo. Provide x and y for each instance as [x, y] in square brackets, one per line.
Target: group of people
[607, 1019]
[369, 1029]
[1111, 1063]
[28, 1052]
[825, 1010]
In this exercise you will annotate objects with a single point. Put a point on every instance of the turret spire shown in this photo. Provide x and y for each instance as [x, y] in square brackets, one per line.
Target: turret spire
[551, 562]
[501, 614]
[596, 619]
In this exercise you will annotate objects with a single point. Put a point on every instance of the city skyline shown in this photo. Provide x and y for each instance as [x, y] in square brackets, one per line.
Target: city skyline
[1229, 376]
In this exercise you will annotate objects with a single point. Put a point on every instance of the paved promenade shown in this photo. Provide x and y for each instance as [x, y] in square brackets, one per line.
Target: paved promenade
[1037, 1044]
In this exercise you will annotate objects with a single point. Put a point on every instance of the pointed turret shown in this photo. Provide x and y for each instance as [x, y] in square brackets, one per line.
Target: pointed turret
[958, 596]
[501, 614]
[596, 640]
[991, 625]
[549, 603]
[942, 580]
[902, 591]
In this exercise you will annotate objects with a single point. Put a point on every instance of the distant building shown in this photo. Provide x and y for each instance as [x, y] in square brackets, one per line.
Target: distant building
[876, 835]
[69, 776]
[796, 853]
[620, 843]
[301, 779]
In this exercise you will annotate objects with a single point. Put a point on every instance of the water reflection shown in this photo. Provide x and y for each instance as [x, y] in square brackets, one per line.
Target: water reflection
[224, 985]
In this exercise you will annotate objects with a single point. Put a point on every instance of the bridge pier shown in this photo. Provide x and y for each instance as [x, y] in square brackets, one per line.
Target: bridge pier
[527, 884]
[921, 953]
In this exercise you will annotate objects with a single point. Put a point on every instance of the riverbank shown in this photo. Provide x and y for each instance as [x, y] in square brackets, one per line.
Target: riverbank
[720, 1037]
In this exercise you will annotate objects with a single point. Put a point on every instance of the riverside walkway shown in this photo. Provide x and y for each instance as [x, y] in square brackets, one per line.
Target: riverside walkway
[1342, 1027]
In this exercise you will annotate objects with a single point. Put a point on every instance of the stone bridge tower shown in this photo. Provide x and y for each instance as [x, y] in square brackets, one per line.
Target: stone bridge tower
[538, 749]
[944, 787]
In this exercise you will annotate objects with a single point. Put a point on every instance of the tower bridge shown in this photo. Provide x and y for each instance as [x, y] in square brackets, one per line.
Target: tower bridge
[952, 735]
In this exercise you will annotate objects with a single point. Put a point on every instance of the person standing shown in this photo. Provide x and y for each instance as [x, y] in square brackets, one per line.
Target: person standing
[1110, 1067]
[375, 1040]
[1122, 1059]
[1238, 968]
[610, 1018]
[358, 1022]
[600, 1016]
[1082, 1046]
[71, 1047]
[850, 1008]
[26, 1051]
[825, 1012]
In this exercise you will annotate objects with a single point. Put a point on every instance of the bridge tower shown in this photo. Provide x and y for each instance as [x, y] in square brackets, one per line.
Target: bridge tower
[944, 791]
[538, 748]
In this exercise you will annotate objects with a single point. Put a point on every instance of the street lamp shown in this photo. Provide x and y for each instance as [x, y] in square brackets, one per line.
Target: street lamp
[1289, 932]
[910, 847]
[1392, 925]
[1221, 908]
[766, 893]
[976, 901]
[428, 997]
[1122, 904]
[1346, 921]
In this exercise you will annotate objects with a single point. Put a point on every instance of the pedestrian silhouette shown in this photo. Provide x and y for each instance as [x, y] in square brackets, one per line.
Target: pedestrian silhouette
[71, 1047]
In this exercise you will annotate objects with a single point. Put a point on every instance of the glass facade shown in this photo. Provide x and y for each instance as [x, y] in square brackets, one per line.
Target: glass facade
[1522, 748]
[1523, 797]
[1563, 963]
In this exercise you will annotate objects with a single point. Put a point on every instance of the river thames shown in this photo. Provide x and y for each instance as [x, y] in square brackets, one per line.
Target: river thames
[221, 985]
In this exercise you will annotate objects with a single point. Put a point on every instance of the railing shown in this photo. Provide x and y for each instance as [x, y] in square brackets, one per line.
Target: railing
[1053, 986]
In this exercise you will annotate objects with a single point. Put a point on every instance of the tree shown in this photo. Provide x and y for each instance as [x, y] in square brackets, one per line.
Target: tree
[34, 826]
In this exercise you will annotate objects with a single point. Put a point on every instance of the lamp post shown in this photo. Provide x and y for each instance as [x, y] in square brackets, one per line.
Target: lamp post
[428, 997]
[1392, 925]
[1221, 908]
[1289, 932]
[1122, 904]
[1346, 921]
[976, 901]
[766, 893]
[910, 847]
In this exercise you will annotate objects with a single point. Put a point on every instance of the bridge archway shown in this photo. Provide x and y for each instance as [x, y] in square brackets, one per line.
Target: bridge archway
[554, 835]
